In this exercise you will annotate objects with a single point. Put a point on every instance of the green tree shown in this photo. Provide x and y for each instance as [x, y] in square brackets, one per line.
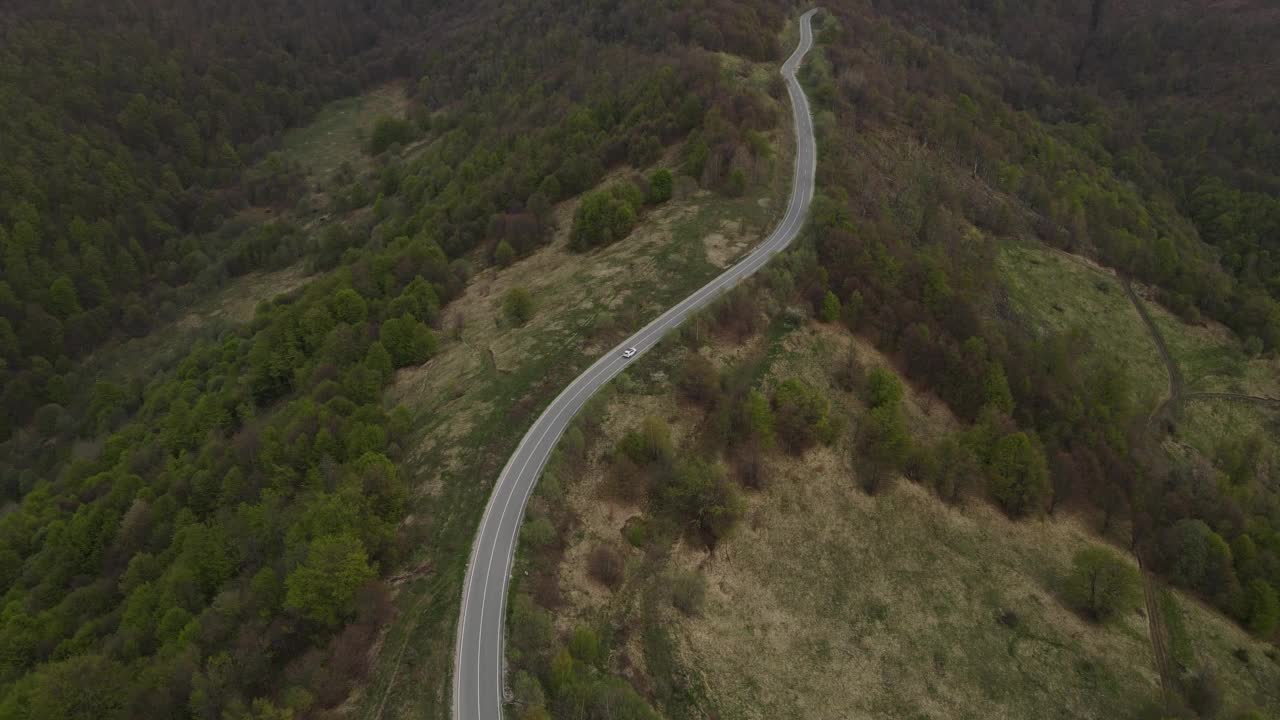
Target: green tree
[585, 645]
[830, 308]
[1101, 583]
[853, 308]
[759, 418]
[323, 588]
[1197, 557]
[1262, 607]
[996, 387]
[604, 216]
[883, 388]
[517, 305]
[408, 341]
[531, 627]
[379, 360]
[504, 254]
[84, 687]
[661, 186]
[388, 131]
[349, 306]
[800, 415]
[701, 494]
[418, 299]
[1018, 476]
[883, 445]
[62, 298]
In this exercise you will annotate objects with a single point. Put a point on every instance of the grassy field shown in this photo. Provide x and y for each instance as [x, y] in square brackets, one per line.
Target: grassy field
[829, 603]
[339, 132]
[473, 401]
[1213, 360]
[1206, 424]
[1056, 292]
[336, 135]
[233, 304]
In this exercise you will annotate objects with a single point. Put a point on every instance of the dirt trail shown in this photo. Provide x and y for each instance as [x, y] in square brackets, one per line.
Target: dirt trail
[1158, 631]
[1151, 584]
[1255, 399]
[1176, 383]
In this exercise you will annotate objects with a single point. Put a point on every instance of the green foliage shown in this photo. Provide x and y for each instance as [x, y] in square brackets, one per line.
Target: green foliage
[1196, 557]
[801, 415]
[407, 340]
[188, 544]
[379, 361]
[883, 388]
[701, 495]
[736, 186]
[62, 298]
[418, 299]
[1101, 584]
[532, 632]
[504, 254]
[349, 307]
[518, 305]
[86, 687]
[538, 533]
[388, 131]
[584, 645]
[605, 216]
[953, 468]
[830, 308]
[759, 419]
[323, 588]
[996, 386]
[661, 186]
[1262, 608]
[1018, 477]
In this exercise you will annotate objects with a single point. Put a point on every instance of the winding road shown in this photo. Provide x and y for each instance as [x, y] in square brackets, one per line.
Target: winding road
[478, 685]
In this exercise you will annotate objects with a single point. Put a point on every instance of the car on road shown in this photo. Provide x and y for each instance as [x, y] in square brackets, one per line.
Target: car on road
[629, 352]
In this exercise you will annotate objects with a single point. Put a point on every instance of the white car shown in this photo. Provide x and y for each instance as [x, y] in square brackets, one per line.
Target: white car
[629, 352]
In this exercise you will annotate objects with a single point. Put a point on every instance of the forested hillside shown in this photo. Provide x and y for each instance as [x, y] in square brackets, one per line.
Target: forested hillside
[126, 135]
[985, 137]
[1182, 98]
[212, 542]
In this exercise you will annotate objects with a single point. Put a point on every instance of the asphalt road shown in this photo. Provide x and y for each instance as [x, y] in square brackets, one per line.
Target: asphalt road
[478, 660]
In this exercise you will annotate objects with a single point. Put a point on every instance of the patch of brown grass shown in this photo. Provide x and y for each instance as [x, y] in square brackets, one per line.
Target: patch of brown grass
[829, 603]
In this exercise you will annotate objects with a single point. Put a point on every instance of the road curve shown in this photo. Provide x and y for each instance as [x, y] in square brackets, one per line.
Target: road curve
[478, 682]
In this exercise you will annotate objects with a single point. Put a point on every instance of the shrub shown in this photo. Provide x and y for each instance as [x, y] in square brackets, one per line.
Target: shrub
[883, 388]
[388, 131]
[504, 254]
[699, 493]
[1101, 584]
[517, 305]
[830, 308]
[538, 533]
[636, 531]
[661, 186]
[800, 415]
[688, 592]
[606, 566]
